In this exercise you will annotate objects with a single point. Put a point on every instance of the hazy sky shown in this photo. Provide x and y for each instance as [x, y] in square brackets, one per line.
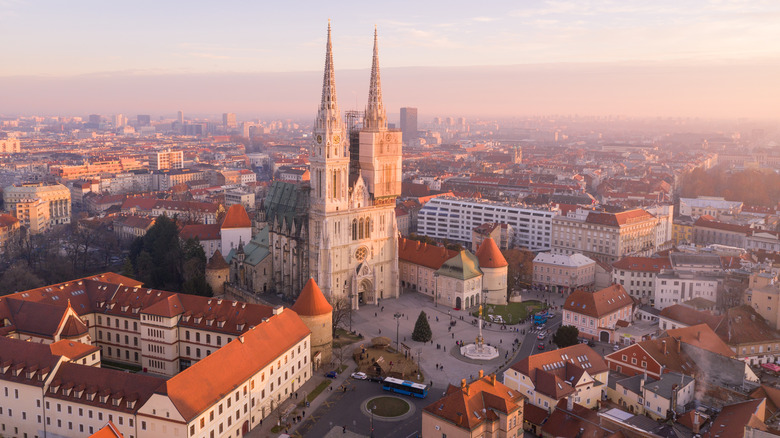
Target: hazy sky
[49, 44]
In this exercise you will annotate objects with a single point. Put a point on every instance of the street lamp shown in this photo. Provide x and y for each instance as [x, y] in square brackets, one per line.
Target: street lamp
[372, 420]
[397, 317]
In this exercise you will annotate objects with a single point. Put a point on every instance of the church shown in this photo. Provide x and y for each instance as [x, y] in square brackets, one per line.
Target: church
[340, 228]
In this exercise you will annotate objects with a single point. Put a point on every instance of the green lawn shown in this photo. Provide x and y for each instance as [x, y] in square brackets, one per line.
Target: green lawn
[388, 406]
[517, 311]
[120, 366]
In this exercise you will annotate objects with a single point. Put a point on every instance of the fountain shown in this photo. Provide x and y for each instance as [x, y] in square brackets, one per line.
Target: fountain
[478, 350]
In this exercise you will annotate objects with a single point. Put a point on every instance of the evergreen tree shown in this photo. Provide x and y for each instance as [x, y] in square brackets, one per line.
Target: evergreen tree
[422, 330]
[566, 336]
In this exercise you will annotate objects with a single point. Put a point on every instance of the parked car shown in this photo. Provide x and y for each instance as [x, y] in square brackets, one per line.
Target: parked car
[541, 335]
[540, 346]
[331, 374]
[616, 347]
[591, 343]
[359, 375]
[375, 378]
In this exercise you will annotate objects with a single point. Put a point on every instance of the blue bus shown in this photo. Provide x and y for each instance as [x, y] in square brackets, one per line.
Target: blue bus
[405, 387]
[540, 318]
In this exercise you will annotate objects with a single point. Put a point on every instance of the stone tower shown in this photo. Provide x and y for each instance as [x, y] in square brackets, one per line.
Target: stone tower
[494, 268]
[317, 314]
[217, 273]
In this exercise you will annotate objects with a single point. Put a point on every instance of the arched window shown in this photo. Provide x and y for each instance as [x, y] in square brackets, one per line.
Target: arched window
[354, 229]
[360, 227]
[368, 230]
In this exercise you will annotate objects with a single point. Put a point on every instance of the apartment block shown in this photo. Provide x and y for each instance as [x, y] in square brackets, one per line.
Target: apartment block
[454, 219]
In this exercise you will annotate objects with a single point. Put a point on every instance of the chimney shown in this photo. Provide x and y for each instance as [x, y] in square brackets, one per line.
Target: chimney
[460, 418]
[642, 385]
[481, 374]
[698, 335]
[696, 422]
[493, 379]
[462, 383]
[663, 347]
[570, 403]
[679, 344]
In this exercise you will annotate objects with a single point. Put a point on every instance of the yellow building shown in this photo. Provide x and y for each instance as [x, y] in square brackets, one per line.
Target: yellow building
[682, 231]
[8, 226]
[764, 301]
[34, 215]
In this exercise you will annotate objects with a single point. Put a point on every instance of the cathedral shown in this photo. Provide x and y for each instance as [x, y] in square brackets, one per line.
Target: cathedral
[340, 229]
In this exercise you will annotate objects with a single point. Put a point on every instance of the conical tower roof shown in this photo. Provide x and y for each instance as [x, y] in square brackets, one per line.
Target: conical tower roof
[490, 256]
[311, 301]
[217, 261]
[236, 217]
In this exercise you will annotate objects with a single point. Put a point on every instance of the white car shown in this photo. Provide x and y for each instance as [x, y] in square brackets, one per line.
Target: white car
[359, 376]
[616, 347]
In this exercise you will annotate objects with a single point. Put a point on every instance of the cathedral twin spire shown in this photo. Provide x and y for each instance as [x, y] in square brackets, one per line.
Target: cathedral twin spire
[328, 115]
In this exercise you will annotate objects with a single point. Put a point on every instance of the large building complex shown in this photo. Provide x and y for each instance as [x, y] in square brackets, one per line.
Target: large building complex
[61, 390]
[454, 219]
[53, 199]
[605, 236]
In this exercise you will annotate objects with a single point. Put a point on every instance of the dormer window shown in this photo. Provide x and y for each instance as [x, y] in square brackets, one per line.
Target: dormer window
[67, 391]
[115, 402]
[241, 327]
[210, 321]
[136, 309]
[220, 324]
[186, 318]
[91, 396]
[130, 404]
[103, 398]
[124, 308]
[197, 320]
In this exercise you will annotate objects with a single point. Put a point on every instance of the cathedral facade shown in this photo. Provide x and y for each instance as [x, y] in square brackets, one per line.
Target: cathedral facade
[348, 233]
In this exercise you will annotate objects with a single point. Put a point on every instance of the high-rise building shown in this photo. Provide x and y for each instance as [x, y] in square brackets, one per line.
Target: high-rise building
[119, 120]
[229, 120]
[409, 124]
[167, 160]
[180, 117]
[144, 119]
[94, 121]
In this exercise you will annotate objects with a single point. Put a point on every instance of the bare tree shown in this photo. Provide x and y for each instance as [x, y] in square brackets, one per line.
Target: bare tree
[342, 311]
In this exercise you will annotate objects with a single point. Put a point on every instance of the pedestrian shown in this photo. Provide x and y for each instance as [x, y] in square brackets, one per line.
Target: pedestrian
[437, 319]
[453, 336]
[344, 429]
[375, 315]
[383, 309]
[296, 395]
[445, 348]
[304, 414]
[380, 331]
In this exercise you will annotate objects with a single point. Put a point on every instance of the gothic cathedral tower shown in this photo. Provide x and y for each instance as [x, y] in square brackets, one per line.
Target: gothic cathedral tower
[353, 243]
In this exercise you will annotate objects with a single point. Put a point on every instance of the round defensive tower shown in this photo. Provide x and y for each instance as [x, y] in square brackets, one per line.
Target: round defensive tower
[317, 314]
[494, 269]
[217, 273]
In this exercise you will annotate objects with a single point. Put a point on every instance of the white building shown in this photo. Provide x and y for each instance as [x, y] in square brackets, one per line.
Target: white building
[709, 205]
[56, 198]
[676, 287]
[167, 160]
[563, 272]
[454, 219]
[242, 197]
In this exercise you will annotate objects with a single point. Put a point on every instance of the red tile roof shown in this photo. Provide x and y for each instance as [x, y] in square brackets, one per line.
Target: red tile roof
[643, 264]
[217, 261]
[71, 349]
[6, 220]
[107, 431]
[743, 325]
[418, 253]
[702, 336]
[23, 356]
[581, 421]
[472, 404]
[490, 256]
[732, 419]
[200, 386]
[311, 301]
[580, 355]
[689, 317]
[722, 226]
[201, 232]
[236, 217]
[599, 303]
[618, 219]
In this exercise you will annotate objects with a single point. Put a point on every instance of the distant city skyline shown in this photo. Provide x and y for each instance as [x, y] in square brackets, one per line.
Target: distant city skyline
[710, 59]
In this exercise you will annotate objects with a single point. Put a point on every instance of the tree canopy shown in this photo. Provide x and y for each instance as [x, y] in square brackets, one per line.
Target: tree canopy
[161, 261]
[566, 335]
[751, 186]
[422, 330]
